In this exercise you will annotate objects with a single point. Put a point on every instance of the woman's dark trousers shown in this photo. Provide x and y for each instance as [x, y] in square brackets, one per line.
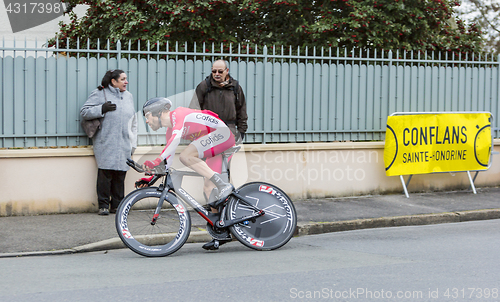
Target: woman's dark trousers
[110, 188]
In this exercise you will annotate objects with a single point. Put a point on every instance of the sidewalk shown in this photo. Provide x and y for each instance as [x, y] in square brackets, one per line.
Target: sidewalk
[71, 233]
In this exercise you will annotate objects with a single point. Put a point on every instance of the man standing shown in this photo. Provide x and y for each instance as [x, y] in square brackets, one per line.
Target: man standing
[222, 94]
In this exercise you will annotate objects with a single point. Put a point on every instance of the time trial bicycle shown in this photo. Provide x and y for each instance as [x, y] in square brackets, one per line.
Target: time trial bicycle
[154, 222]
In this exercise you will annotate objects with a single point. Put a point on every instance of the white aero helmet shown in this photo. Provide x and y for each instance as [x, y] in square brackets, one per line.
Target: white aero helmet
[156, 105]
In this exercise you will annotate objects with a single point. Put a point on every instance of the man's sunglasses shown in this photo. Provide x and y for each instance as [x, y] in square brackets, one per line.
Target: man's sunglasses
[221, 71]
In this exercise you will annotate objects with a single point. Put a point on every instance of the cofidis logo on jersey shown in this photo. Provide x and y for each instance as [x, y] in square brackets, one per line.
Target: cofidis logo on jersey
[207, 118]
[429, 143]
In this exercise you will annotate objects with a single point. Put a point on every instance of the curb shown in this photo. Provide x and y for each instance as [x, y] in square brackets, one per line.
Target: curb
[409, 220]
[303, 229]
[116, 243]
[108, 244]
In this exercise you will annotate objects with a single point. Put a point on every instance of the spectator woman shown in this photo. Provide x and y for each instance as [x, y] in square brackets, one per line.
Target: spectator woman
[116, 139]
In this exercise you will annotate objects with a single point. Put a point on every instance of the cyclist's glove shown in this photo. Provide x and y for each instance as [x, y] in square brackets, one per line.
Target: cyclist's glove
[152, 164]
[143, 181]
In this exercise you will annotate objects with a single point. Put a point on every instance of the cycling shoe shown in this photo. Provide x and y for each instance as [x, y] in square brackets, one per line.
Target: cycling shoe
[224, 191]
[223, 188]
[214, 244]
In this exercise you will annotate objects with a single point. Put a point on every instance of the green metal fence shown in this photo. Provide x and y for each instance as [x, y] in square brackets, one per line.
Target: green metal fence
[293, 95]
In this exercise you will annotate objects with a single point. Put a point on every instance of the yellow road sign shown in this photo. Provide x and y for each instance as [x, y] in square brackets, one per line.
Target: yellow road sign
[445, 142]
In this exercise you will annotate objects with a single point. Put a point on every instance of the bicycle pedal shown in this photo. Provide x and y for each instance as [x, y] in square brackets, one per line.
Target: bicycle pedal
[214, 244]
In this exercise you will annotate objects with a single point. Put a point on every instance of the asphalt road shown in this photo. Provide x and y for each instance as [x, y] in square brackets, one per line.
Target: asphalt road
[455, 261]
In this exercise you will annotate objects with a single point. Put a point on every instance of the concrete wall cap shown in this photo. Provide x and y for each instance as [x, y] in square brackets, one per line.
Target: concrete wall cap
[87, 150]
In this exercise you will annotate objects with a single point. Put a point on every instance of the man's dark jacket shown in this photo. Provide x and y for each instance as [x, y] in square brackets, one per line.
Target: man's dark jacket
[223, 101]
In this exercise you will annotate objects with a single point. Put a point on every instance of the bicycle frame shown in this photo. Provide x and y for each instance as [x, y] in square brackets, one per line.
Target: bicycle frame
[214, 219]
[172, 182]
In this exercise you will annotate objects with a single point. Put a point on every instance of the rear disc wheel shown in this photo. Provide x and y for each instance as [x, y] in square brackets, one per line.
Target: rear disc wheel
[270, 231]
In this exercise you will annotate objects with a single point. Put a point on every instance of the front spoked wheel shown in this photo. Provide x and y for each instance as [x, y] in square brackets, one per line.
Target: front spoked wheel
[148, 237]
[270, 231]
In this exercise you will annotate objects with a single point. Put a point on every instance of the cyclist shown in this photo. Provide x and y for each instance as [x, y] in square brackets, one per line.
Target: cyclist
[209, 136]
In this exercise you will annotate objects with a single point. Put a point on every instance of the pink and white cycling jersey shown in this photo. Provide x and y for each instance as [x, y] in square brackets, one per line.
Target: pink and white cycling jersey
[209, 133]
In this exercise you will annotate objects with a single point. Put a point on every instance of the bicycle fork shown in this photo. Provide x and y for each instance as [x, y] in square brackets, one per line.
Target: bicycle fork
[160, 204]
